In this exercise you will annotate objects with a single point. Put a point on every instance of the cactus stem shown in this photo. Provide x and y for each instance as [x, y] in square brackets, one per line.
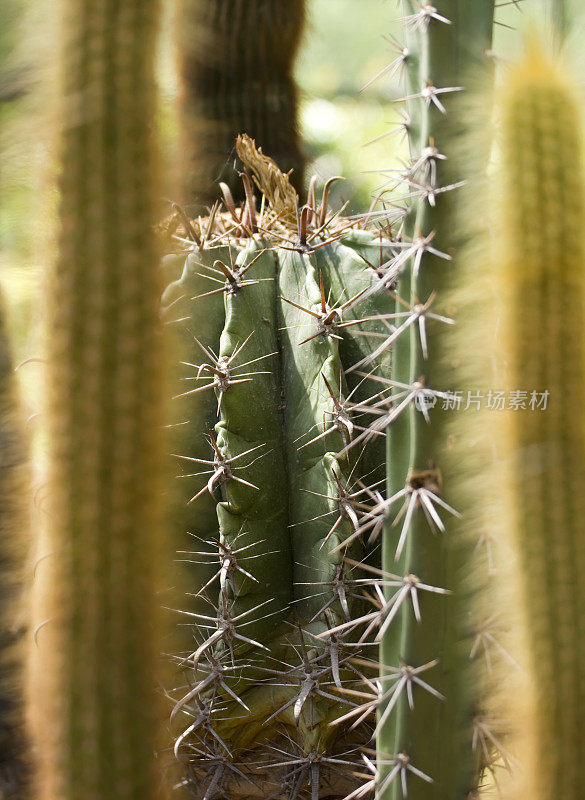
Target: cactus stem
[420, 496]
[421, 19]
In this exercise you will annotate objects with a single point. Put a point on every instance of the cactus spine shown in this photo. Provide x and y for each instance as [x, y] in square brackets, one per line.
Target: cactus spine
[428, 745]
[94, 671]
[541, 282]
[235, 63]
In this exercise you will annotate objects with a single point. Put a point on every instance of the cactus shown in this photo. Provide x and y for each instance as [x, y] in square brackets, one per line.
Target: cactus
[235, 66]
[541, 287]
[14, 755]
[95, 711]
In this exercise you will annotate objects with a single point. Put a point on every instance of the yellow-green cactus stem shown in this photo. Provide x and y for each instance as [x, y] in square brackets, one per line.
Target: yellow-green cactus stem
[96, 706]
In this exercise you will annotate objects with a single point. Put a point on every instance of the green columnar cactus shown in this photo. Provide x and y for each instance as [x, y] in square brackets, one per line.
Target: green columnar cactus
[271, 669]
[94, 668]
[541, 283]
[330, 353]
[235, 65]
[425, 738]
[14, 766]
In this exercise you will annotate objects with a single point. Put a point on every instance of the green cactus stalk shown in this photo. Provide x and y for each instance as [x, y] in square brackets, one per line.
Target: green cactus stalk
[541, 284]
[95, 710]
[235, 66]
[425, 740]
[14, 539]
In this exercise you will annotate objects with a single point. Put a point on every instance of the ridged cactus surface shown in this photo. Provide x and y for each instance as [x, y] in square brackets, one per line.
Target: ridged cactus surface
[541, 283]
[94, 694]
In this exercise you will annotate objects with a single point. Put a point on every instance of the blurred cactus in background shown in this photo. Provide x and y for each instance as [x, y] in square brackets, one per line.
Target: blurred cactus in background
[235, 68]
[540, 279]
[14, 539]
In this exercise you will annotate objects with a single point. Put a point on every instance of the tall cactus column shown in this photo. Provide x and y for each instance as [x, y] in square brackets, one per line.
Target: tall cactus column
[14, 542]
[541, 280]
[425, 746]
[94, 668]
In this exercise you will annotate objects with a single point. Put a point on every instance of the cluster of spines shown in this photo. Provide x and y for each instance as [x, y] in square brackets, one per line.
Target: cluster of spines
[97, 717]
